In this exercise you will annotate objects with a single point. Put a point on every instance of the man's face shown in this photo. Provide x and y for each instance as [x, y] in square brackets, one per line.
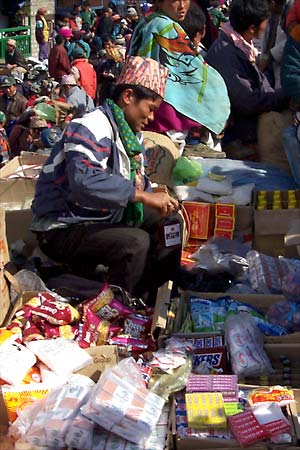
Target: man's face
[10, 48]
[175, 9]
[10, 90]
[138, 113]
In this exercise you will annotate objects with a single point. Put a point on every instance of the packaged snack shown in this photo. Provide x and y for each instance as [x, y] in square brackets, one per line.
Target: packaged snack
[131, 344]
[214, 359]
[245, 343]
[275, 394]
[7, 336]
[54, 331]
[137, 326]
[266, 273]
[80, 433]
[17, 398]
[246, 428]
[207, 315]
[205, 410]
[63, 356]
[106, 306]
[54, 311]
[122, 405]
[15, 361]
[95, 330]
[31, 332]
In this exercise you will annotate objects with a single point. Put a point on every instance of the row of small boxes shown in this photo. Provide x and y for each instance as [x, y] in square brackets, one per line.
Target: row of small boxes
[207, 220]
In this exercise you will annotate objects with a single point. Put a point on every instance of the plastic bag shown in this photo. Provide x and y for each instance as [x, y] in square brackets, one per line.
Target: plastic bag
[286, 314]
[291, 286]
[186, 171]
[245, 343]
[167, 384]
[221, 254]
[121, 403]
[266, 273]
[221, 187]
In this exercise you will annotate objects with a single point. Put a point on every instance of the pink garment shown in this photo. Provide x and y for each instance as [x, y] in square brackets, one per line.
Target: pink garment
[167, 118]
[250, 51]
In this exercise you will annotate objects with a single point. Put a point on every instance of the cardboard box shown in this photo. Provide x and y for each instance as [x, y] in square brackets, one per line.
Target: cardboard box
[202, 219]
[260, 301]
[193, 443]
[271, 225]
[104, 356]
[17, 192]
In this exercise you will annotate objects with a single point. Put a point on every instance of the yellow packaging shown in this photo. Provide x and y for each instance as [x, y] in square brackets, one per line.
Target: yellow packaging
[6, 336]
[16, 398]
[205, 410]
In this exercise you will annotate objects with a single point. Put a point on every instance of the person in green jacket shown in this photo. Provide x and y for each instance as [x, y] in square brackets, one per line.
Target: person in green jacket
[216, 13]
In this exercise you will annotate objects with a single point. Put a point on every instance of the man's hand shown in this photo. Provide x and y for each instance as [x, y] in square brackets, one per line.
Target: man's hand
[161, 201]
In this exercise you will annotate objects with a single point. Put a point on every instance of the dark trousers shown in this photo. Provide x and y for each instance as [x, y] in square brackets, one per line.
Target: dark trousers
[136, 258]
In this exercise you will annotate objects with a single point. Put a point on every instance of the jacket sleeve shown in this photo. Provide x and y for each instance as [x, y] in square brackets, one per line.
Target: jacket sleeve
[93, 184]
[290, 68]
[19, 58]
[245, 95]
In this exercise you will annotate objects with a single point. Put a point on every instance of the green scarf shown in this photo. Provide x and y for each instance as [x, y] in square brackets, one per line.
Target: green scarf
[134, 212]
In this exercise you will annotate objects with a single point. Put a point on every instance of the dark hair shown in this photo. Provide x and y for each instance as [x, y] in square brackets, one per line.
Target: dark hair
[194, 21]
[140, 92]
[59, 39]
[244, 13]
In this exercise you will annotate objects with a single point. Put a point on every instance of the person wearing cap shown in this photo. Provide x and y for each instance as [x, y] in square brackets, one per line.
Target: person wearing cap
[12, 103]
[42, 33]
[79, 43]
[4, 144]
[58, 61]
[36, 126]
[66, 33]
[75, 95]
[93, 203]
[84, 72]
[132, 18]
[14, 59]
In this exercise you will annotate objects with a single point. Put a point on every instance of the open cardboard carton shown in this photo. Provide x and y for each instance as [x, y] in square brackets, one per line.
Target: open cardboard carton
[276, 347]
[18, 179]
[270, 239]
[194, 443]
[259, 301]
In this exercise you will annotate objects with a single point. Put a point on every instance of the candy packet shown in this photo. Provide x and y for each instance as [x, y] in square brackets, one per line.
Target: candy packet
[106, 306]
[54, 311]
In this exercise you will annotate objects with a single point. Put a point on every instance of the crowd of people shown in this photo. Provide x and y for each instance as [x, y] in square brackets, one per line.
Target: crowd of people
[190, 70]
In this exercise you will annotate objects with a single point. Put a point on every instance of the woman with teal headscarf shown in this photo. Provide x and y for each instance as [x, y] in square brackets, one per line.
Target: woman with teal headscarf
[195, 92]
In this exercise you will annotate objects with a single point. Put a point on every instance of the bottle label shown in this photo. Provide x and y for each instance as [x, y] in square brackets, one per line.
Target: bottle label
[172, 235]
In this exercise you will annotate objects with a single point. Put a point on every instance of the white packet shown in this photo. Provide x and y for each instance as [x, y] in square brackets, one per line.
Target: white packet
[15, 361]
[210, 186]
[80, 433]
[63, 356]
[125, 408]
